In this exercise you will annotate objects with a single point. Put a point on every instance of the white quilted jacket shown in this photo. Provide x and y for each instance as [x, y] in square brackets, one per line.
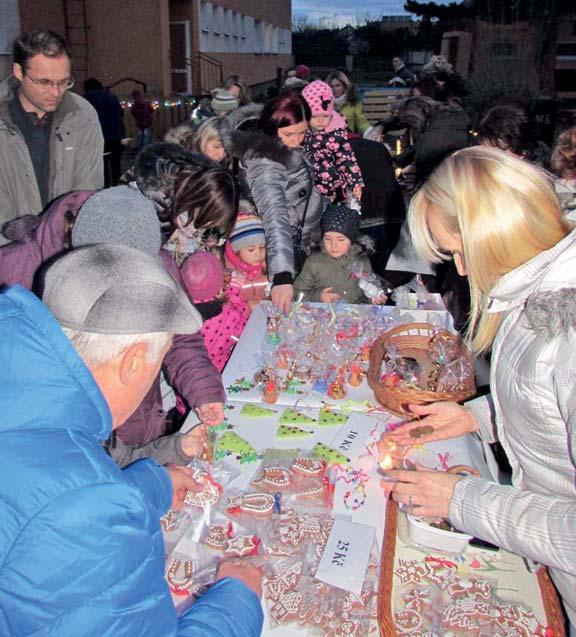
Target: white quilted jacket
[532, 412]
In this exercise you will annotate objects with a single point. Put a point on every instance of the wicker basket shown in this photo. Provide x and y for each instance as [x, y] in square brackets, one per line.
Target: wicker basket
[411, 340]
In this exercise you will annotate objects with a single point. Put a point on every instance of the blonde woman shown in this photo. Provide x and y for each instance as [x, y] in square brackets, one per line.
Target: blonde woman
[499, 219]
[205, 140]
[208, 142]
[347, 102]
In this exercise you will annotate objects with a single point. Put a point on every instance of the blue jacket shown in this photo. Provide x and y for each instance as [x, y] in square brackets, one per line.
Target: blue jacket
[81, 550]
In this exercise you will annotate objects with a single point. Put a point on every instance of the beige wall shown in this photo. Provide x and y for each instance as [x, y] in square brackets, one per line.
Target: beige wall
[131, 38]
[125, 39]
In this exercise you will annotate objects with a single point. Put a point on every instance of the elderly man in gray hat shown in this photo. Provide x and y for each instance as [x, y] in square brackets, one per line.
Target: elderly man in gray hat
[81, 550]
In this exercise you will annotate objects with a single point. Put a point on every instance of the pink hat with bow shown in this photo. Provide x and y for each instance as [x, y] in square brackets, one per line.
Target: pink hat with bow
[319, 97]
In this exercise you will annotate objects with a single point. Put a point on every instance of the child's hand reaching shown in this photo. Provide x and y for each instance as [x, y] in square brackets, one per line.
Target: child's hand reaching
[193, 442]
[327, 296]
[211, 414]
[380, 299]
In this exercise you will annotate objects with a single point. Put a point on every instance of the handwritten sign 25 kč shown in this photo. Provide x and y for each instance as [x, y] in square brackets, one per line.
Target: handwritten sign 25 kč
[345, 558]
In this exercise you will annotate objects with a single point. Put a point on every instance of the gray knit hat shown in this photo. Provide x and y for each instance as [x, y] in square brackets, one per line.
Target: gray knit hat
[223, 101]
[339, 218]
[112, 289]
[120, 215]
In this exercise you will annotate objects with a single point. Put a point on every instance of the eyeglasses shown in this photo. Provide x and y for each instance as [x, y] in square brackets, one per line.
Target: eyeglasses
[61, 85]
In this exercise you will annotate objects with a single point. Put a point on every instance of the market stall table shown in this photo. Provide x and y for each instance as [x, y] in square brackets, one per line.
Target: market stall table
[307, 420]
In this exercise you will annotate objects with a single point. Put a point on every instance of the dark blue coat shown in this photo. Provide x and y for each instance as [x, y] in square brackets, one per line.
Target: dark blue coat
[81, 551]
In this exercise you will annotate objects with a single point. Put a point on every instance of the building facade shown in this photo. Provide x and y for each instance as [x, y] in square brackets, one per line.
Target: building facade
[169, 46]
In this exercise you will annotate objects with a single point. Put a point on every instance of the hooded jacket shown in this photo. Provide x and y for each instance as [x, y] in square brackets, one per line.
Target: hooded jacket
[186, 365]
[81, 550]
[76, 155]
[280, 184]
[250, 278]
[532, 413]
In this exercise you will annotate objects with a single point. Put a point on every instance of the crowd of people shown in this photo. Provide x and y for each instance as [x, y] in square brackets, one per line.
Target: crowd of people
[107, 289]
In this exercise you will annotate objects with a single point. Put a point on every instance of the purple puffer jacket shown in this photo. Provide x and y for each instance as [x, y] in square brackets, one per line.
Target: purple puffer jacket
[187, 365]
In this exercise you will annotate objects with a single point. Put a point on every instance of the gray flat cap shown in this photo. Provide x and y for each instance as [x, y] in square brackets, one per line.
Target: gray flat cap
[120, 215]
[112, 289]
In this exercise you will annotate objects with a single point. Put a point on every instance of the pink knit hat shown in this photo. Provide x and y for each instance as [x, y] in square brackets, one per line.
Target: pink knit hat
[203, 276]
[319, 97]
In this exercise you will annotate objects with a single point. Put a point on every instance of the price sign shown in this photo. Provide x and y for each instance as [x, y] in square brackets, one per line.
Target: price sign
[352, 437]
[345, 558]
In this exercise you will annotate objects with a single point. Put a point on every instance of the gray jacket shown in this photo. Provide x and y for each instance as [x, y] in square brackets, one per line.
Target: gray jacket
[532, 413]
[280, 183]
[76, 155]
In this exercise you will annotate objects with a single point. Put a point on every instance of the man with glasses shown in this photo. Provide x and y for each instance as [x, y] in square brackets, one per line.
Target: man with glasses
[50, 139]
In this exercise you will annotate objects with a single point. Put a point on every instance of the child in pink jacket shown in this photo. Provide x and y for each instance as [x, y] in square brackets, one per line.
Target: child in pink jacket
[336, 171]
[245, 254]
[225, 314]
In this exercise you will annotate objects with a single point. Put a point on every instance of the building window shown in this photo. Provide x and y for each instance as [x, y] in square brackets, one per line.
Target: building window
[259, 39]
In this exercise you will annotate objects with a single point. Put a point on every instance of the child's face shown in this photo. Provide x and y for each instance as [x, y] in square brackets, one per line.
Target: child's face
[215, 150]
[320, 121]
[252, 255]
[336, 244]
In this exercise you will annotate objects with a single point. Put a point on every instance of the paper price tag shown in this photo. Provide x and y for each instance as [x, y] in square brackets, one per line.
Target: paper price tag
[352, 437]
[345, 558]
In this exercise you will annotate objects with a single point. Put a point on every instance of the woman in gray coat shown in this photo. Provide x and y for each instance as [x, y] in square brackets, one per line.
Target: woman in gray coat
[275, 176]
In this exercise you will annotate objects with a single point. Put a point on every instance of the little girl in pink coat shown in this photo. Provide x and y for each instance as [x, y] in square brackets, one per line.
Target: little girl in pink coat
[225, 313]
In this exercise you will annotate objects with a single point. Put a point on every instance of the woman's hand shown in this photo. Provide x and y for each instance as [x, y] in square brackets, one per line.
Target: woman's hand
[194, 441]
[439, 421]
[327, 296]
[427, 492]
[281, 296]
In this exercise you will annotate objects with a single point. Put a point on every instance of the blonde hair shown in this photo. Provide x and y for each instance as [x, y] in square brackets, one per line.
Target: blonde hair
[505, 212]
[207, 132]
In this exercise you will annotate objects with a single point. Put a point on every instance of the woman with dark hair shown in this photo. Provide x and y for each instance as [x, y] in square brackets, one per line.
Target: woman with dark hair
[347, 102]
[508, 127]
[193, 195]
[277, 179]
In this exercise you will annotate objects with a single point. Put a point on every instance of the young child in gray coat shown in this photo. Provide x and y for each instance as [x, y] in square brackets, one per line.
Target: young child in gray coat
[341, 270]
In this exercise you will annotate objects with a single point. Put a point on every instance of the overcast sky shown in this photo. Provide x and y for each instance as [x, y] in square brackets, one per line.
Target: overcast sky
[316, 9]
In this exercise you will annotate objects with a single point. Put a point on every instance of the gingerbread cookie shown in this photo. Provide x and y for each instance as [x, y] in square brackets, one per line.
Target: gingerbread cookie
[410, 572]
[257, 504]
[307, 467]
[209, 492]
[273, 476]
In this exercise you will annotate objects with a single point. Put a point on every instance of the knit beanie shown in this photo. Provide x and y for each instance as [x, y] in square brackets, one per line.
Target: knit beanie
[203, 276]
[319, 97]
[119, 215]
[223, 101]
[302, 71]
[248, 231]
[339, 218]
